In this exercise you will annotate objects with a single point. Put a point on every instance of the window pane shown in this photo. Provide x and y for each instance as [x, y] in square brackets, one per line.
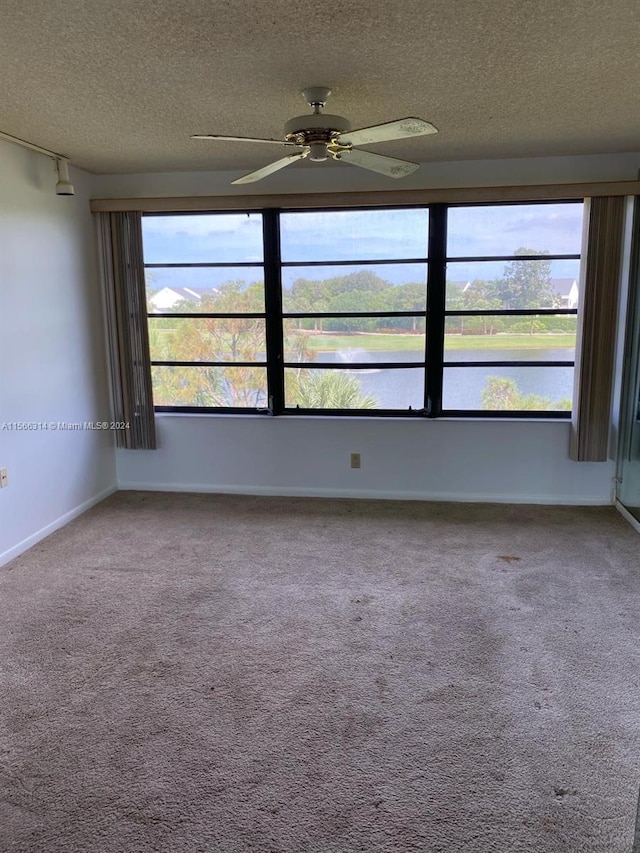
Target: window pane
[235, 339]
[314, 388]
[508, 388]
[197, 290]
[352, 235]
[202, 238]
[476, 231]
[341, 340]
[239, 387]
[379, 287]
[530, 338]
[482, 285]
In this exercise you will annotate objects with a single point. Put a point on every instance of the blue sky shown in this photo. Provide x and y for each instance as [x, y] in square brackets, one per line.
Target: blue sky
[354, 235]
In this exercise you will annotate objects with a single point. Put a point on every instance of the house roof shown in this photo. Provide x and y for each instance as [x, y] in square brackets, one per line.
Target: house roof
[562, 286]
[120, 86]
[185, 293]
[188, 294]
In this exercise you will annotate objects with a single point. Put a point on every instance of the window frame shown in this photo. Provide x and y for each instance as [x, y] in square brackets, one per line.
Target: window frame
[434, 315]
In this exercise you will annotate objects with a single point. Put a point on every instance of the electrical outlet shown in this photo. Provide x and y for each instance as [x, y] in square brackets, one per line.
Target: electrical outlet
[4, 478]
[355, 460]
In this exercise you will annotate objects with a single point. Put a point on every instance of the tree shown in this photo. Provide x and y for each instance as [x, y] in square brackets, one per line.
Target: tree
[502, 394]
[310, 295]
[407, 297]
[186, 386]
[235, 296]
[151, 287]
[482, 296]
[296, 343]
[355, 282]
[454, 295]
[454, 302]
[526, 284]
[232, 339]
[312, 389]
[351, 300]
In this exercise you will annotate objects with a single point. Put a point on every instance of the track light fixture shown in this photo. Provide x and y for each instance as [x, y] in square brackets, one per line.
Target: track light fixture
[64, 185]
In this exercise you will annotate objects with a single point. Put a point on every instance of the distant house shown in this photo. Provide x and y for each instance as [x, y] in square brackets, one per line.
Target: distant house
[169, 297]
[566, 291]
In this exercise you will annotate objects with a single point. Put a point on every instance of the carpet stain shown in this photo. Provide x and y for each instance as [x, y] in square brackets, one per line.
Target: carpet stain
[563, 792]
[509, 558]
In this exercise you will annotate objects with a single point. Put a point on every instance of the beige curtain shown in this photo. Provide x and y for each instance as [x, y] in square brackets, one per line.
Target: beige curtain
[123, 274]
[597, 323]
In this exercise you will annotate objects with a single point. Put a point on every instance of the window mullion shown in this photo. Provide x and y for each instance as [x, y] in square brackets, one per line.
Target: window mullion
[273, 308]
[436, 283]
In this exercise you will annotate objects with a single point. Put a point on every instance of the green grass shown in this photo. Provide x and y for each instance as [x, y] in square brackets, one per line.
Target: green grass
[401, 343]
[541, 341]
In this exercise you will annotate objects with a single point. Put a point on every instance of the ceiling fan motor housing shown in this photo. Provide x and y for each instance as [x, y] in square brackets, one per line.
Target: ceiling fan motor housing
[312, 129]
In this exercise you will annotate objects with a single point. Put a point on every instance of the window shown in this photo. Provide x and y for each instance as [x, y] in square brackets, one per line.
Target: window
[414, 311]
[207, 319]
[511, 306]
[354, 301]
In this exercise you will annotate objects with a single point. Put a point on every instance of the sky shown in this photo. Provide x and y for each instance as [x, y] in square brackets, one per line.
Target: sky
[358, 235]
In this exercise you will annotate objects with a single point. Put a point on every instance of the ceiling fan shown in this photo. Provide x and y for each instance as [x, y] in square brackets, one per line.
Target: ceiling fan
[320, 136]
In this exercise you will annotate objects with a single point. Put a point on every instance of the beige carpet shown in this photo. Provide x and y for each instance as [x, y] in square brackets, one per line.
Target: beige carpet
[194, 674]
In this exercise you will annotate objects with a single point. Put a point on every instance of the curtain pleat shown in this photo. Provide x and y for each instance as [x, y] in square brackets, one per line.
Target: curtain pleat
[127, 331]
[597, 324]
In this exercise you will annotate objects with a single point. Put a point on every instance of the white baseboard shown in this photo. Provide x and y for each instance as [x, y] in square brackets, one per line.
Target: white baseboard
[41, 534]
[624, 512]
[305, 492]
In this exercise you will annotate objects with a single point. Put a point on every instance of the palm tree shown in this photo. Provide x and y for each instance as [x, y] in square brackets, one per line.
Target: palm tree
[312, 389]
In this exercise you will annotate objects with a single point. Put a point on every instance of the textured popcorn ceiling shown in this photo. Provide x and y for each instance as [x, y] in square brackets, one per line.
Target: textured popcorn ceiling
[119, 86]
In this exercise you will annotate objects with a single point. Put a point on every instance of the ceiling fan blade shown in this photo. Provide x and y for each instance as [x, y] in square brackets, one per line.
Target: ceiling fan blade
[240, 139]
[389, 166]
[272, 167]
[400, 129]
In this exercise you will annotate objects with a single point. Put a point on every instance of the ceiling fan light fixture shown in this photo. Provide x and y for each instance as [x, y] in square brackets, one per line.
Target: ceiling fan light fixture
[318, 152]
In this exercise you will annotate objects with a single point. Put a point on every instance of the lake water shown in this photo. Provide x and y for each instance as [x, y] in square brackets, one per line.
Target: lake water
[462, 386]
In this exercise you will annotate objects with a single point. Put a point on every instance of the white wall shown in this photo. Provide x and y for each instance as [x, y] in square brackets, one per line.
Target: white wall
[52, 362]
[444, 460]
[456, 460]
